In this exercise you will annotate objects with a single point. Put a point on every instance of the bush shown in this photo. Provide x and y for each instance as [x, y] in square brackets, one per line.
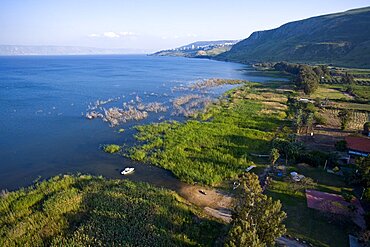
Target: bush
[347, 196]
[112, 148]
[138, 155]
[317, 158]
[319, 119]
[366, 195]
[336, 169]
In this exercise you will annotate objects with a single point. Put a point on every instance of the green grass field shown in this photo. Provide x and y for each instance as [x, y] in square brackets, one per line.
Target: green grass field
[93, 211]
[330, 92]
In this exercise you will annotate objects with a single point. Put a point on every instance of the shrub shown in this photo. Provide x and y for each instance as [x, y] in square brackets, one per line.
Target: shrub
[347, 196]
[138, 155]
[112, 148]
[366, 195]
[317, 158]
[319, 119]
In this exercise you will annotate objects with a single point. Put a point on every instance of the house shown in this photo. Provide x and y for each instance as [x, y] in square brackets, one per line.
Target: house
[357, 145]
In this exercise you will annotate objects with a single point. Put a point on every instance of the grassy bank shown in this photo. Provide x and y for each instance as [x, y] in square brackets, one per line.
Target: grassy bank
[92, 211]
[217, 145]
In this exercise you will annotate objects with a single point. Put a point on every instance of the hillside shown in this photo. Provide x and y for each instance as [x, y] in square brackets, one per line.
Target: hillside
[341, 39]
[199, 49]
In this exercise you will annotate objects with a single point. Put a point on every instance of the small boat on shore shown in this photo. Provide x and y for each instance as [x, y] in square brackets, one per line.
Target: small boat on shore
[203, 192]
[127, 170]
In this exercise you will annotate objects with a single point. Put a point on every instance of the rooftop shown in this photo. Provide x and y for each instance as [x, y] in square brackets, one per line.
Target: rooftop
[357, 143]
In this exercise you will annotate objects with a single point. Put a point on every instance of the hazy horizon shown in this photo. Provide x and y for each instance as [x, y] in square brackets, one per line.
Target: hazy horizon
[148, 26]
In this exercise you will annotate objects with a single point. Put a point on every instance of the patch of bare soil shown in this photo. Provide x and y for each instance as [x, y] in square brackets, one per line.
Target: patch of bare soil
[324, 138]
[215, 202]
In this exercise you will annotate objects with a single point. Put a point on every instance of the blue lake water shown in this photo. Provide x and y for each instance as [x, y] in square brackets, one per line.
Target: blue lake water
[42, 99]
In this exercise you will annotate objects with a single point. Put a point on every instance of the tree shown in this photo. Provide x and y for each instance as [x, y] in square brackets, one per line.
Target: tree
[307, 79]
[298, 120]
[325, 70]
[344, 117]
[366, 128]
[283, 146]
[347, 79]
[258, 219]
[295, 149]
[363, 170]
[274, 156]
[290, 149]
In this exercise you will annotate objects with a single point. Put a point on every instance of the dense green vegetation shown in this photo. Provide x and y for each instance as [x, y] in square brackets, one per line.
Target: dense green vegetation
[258, 219]
[341, 39]
[112, 148]
[218, 149]
[93, 211]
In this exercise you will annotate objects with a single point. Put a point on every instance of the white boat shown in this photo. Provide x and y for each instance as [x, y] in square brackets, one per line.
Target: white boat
[127, 170]
[250, 168]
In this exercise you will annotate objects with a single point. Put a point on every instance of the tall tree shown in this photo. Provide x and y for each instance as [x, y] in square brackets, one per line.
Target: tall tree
[344, 117]
[363, 170]
[298, 120]
[348, 79]
[258, 219]
[307, 79]
[366, 128]
[274, 156]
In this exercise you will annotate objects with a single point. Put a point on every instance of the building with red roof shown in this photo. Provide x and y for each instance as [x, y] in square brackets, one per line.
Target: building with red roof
[358, 145]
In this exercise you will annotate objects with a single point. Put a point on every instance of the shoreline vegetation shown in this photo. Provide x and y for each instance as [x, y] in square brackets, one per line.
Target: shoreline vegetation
[83, 210]
[216, 144]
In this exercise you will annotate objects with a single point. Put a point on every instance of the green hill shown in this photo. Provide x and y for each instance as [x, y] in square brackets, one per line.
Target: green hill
[341, 39]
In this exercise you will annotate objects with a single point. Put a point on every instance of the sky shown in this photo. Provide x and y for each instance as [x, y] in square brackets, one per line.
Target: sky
[150, 25]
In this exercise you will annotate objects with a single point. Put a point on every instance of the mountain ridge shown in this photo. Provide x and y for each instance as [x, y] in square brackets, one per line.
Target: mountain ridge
[340, 38]
[200, 49]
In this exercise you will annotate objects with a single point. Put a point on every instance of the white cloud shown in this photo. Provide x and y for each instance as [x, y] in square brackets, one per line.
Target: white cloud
[122, 34]
[94, 35]
[112, 35]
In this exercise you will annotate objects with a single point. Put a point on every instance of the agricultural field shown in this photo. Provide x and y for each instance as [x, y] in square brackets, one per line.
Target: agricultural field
[219, 143]
[93, 211]
[332, 92]
[339, 99]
